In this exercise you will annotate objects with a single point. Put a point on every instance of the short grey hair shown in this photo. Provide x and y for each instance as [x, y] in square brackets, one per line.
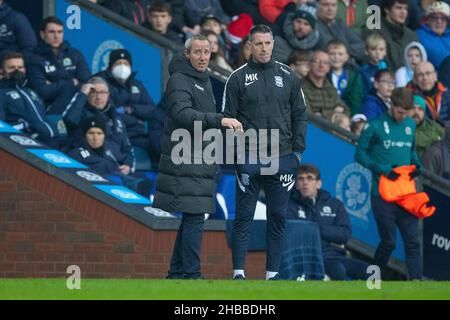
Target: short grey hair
[98, 80]
[188, 43]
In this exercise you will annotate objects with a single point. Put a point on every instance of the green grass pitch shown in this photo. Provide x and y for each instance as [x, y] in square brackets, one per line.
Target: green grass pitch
[160, 289]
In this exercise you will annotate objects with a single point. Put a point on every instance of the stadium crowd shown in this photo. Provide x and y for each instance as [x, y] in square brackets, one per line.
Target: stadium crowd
[349, 69]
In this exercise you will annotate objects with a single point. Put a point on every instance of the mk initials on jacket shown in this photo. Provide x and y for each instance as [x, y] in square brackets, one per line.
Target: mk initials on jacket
[268, 96]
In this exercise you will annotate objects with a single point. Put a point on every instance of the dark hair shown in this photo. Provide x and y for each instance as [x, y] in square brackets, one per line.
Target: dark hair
[382, 72]
[260, 28]
[309, 168]
[336, 43]
[387, 4]
[240, 60]
[299, 55]
[160, 6]
[50, 19]
[207, 33]
[402, 97]
[11, 55]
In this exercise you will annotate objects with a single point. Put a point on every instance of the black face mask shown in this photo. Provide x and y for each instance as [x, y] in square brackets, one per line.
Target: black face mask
[213, 55]
[18, 78]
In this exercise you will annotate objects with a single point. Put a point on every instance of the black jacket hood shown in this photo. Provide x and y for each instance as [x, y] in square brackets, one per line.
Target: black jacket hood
[181, 64]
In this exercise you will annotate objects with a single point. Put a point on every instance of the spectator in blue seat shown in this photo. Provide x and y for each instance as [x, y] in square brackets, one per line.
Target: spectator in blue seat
[16, 34]
[309, 201]
[20, 106]
[129, 96]
[93, 100]
[103, 156]
[56, 69]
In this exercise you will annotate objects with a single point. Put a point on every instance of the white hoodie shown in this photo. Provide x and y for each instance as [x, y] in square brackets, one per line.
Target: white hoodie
[405, 74]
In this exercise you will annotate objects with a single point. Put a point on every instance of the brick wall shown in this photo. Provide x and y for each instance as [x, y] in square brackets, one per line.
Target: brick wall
[47, 225]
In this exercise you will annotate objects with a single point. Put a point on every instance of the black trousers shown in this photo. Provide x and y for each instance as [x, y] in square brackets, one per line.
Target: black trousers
[389, 216]
[185, 263]
[277, 189]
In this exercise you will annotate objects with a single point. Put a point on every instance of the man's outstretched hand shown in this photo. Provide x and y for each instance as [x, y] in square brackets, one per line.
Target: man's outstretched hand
[232, 124]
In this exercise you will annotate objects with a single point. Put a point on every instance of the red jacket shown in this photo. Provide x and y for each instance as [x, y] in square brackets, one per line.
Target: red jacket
[271, 9]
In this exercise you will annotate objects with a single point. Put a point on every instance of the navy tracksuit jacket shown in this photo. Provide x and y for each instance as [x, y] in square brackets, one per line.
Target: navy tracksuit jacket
[51, 75]
[79, 109]
[16, 33]
[132, 93]
[22, 108]
[335, 231]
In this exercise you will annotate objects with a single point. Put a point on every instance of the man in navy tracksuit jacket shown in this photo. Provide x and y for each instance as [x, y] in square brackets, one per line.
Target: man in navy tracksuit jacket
[309, 201]
[20, 106]
[265, 95]
[103, 156]
[92, 100]
[56, 70]
[16, 34]
[130, 98]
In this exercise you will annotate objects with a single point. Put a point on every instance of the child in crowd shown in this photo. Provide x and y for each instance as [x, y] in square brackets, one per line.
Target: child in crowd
[378, 102]
[341, 120]
[376, 50]
[414, 53]
[347, 81]
[358, 122]
[213, 23]
[217, 56]
[299, 61]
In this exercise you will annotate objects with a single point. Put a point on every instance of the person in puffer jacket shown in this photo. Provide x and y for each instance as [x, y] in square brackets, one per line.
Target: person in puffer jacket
[309, 201]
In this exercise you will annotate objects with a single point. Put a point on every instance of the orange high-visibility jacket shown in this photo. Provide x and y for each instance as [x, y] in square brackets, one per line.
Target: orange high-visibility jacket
[404, 193]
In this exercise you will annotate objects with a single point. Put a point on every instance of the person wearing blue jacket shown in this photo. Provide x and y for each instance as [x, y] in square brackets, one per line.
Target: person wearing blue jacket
[56, 69]
[130, 98]
[20, 106]
[378, 102]
[16, 34]
[309, 201]
[434, 33]
[93, 100]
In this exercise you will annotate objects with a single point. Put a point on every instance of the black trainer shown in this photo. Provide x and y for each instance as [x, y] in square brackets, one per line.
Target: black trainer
[239, 277]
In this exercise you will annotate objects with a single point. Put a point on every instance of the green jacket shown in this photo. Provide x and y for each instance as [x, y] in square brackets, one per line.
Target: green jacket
[426, 134]
[323, 100]
[385, 143]
[360, 14]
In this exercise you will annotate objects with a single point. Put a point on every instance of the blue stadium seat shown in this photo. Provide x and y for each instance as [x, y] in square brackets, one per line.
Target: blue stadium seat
[143, 161]
[225, 198]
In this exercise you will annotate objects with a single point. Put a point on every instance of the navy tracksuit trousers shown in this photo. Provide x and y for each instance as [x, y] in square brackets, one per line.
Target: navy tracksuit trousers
[185, 263]
[389, 216]
[340, 267]
[277, 189]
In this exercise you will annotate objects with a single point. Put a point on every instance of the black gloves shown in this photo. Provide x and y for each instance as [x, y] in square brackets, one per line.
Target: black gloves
[392, 175]
[415, 173]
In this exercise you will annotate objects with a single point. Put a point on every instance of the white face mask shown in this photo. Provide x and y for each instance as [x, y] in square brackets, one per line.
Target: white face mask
[121, 72]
